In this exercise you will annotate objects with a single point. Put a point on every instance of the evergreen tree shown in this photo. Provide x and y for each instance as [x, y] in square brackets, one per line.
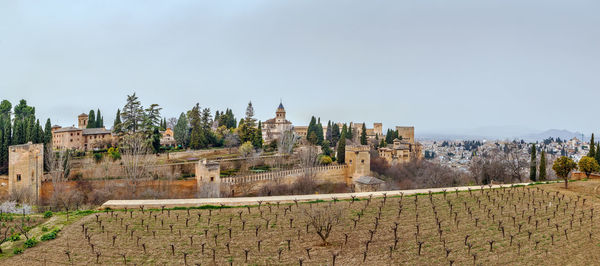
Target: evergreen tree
[91, 119]
[132, 114]
[99, 120]
[335, 134]
[598, 153]
[592, 152]
[363, 135]
[344, 131]
[341, 149]
[197, 140]
[319, 131]
[181, 131]
[382, 144]
[48, 132]
[350, 133]
[311, 131]
[258, 141]
[533, 165]
[156, 140]
[117, 124]
[151, 118]
[328, 133]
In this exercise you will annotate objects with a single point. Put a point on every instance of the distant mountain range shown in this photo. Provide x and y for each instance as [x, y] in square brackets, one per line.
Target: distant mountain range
[504, 133]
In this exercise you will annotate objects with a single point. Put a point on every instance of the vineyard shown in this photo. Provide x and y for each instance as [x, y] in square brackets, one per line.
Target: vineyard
[514, 225]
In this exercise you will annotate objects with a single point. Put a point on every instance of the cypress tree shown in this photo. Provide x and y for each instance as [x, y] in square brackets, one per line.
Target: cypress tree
[363, 135]
[311, 134]
[48, 132]
[91, 119]
[533, 165]
[543, 166]
[328, 132]
[350, 134]
[117, 124]
[38, 136]
[319, 132]
[341, 149]
[382, 143]
[598, 153]
[344, 132]
[99, 120]
[258, 141]
[592, 152]
[335, 134]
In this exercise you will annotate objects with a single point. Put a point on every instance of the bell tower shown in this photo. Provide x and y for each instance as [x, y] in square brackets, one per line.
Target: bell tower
[280, 114]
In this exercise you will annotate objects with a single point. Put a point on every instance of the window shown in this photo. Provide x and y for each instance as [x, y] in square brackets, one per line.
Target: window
[212, 178]
[18, 177]
[362, 161]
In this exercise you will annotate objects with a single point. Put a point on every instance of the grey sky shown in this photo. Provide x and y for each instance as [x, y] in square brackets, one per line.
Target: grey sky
[438, 65]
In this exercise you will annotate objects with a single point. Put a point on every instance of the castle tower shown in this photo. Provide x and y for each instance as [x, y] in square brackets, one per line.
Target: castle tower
[25, 171]
[208, 179]
[358, 159]
[407, 133]
[82, 120]
[280, 114]
[378, 129]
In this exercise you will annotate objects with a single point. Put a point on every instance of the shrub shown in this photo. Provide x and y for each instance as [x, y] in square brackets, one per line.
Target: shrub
[30, 243]
[98, 157]
[326, 160]
[47, 214]
[114, 153]
[44, 229]
[17, 251]
[51, 235]
[14, 238]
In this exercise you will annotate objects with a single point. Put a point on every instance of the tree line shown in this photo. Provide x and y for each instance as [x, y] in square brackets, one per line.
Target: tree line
[19, 125]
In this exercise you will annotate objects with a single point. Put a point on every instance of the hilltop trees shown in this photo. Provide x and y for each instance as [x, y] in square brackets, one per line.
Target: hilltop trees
[563, 166]
[533, 164]
[19, 127]
[588, 165]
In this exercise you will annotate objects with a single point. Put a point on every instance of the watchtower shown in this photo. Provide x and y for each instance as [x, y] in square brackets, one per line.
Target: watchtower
[208, 178]
[25, 171]
[358, 159]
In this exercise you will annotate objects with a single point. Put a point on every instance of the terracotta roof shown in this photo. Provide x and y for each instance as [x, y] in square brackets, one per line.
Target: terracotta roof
[82, 114]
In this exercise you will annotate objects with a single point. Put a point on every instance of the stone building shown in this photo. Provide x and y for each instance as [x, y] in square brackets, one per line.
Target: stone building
[25, 171]
[407, 133]
[80, 137]
[208, 178]
[372, 133]
[401, 151]
[273, 128]
[358, 160]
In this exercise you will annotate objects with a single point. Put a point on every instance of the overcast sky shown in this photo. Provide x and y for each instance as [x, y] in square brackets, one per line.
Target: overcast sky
[442, 66]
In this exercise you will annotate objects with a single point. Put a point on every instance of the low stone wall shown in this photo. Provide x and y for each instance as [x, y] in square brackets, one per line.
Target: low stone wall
[335, 173]
[118, 188]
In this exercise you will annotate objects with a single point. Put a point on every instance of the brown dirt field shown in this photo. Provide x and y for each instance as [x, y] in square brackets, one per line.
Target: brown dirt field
[545, 245]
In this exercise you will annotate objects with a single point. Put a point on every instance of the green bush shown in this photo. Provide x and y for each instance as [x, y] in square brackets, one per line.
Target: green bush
[14, 238]
[51, 235]
[17, 251]
[98, 157]
[30, 243]
[44, 229]
[47, 214]
[326, 160]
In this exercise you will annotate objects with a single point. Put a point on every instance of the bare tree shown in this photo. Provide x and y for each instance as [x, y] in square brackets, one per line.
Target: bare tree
[171, 122]
[285, 147]
[324, 220]
[137, 161]
[59, 168]
[231, 140]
